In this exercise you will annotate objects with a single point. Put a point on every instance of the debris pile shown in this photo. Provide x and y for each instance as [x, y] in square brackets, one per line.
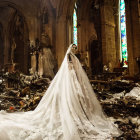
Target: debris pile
[123, 108]
[19, 92]
[120, 99]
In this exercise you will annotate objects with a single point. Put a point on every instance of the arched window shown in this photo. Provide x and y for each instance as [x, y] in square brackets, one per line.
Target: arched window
[124, 55]
[75, 25]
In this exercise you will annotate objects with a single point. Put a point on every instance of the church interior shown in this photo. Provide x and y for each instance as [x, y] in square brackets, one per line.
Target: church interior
[35, 35]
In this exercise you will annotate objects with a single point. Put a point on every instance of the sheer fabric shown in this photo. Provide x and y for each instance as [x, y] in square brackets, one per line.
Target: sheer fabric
[69, 110]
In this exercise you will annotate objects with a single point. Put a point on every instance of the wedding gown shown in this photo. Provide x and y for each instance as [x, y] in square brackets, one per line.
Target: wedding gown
[69, 110]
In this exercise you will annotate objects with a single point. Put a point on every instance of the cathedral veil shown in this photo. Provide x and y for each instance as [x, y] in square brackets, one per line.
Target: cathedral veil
[69, 110]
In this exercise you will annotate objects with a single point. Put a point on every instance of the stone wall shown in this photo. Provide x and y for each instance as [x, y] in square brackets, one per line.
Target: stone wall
[98, 21]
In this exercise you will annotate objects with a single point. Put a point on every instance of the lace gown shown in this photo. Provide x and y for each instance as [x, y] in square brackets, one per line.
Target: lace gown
[69, 110]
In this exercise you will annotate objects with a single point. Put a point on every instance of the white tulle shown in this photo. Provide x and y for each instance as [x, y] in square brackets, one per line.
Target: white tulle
[69, 110]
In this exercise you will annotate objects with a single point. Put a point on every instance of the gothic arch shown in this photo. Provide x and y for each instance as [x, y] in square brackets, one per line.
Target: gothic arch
[12, 5]
[18, 36]
[10, 28]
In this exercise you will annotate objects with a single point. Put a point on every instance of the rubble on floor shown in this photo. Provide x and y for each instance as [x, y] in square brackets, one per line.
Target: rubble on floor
[120, 98]
[20, 92]
[123, 108]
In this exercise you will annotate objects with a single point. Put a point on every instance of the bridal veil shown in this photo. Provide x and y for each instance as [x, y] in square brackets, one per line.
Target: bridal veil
[69, 110]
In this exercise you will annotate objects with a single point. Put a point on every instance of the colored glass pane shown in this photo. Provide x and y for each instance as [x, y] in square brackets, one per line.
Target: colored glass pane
[123, 33]
[74, 27]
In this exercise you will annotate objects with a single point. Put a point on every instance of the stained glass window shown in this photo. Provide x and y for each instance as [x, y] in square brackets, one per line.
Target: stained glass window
[75, 25]
[123, 33]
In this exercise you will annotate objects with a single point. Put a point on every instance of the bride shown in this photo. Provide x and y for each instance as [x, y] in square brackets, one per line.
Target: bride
[69, 110]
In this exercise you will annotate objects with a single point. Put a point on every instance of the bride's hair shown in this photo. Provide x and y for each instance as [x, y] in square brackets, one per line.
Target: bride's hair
[74, 46]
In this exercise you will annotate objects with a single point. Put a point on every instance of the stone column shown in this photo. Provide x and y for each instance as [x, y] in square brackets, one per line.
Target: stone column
[61, 39]
[33, 25]
[133, 35]
[117, 31]
[108, 33]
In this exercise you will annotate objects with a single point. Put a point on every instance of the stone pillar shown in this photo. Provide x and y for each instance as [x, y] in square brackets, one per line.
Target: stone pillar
[61, 39]
[133, 35]
[33, 25]
[108, 34]
[5, 50]
[117, 31]
[33, 63]
[69, 25]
